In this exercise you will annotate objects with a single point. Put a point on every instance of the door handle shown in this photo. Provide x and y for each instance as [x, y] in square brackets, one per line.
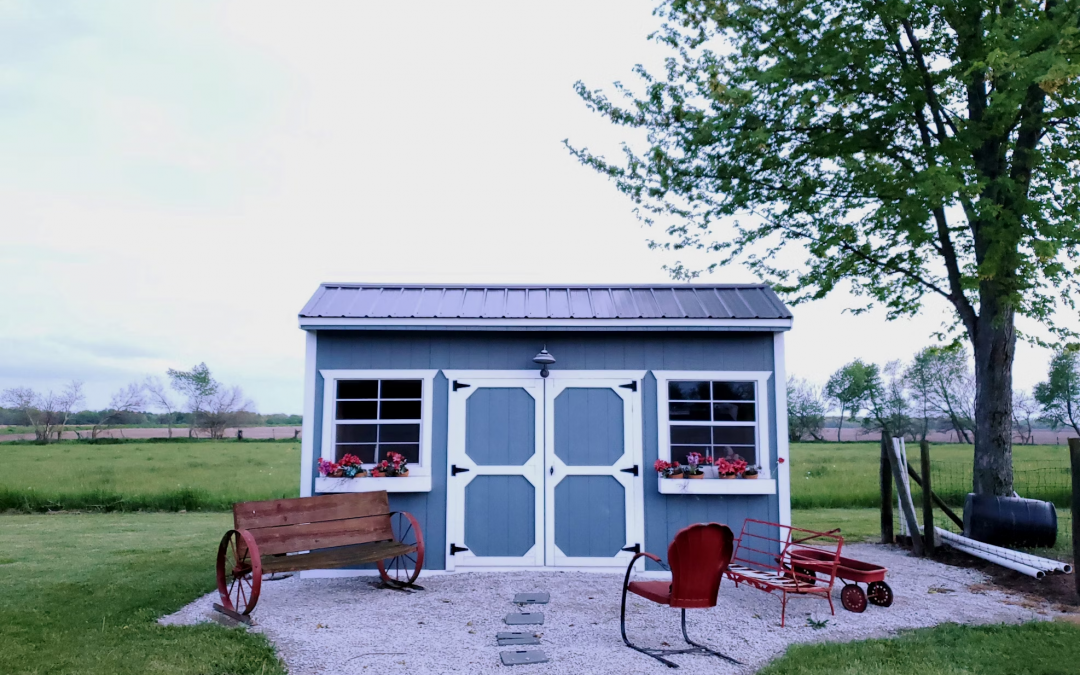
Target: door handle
[633, 470]
[455, 470]
[551, 471]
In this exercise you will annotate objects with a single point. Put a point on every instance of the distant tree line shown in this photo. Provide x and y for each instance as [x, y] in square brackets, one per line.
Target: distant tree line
[190, 399]
[934, 392]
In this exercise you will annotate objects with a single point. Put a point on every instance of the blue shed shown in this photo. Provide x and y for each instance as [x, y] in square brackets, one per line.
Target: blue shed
[510, 467]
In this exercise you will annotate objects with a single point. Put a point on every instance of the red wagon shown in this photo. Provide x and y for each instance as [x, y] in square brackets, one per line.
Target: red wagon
[852, 572]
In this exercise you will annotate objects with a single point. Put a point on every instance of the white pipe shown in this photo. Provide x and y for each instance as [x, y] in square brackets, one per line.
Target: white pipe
[998, 560]
[1038, 562]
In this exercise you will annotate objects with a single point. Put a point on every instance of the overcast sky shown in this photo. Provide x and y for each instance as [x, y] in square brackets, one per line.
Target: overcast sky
[177, 176]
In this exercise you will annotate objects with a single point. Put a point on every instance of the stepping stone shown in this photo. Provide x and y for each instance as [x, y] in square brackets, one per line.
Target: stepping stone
[524, 618]
[532, 598]
[523, 656]
[514, 638]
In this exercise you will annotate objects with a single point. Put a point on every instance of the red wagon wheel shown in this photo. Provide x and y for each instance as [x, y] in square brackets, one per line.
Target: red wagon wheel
[403, 570]
[879, 593]
[853, 599]
[239, 571]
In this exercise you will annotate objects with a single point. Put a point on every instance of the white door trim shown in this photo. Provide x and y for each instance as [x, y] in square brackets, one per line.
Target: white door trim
[532, 470]
[555, 469]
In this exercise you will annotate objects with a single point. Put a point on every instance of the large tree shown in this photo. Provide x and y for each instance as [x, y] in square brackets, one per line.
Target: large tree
[902, 149]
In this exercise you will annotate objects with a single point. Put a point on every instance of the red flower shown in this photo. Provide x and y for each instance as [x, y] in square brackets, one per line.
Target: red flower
[661, 466]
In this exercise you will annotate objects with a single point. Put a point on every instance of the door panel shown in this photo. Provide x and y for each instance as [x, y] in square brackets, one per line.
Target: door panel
[593, 508]
[495, 481]
[587, 508]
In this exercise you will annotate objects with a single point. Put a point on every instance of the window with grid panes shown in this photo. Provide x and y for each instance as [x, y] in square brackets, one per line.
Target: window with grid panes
[376, 417]
[714, 419]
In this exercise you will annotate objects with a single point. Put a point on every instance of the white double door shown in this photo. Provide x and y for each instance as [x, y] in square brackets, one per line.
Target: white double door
[544, 472]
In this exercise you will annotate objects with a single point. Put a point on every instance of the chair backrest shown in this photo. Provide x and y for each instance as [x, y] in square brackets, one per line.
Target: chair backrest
[698, 556]
[308, 523]
[789, 551]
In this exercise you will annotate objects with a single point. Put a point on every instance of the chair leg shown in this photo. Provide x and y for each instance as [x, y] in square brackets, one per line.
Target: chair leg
[622, 627]
[783, 609]
[703, 647]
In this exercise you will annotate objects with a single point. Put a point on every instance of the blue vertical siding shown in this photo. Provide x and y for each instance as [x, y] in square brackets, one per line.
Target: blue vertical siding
[575, 350]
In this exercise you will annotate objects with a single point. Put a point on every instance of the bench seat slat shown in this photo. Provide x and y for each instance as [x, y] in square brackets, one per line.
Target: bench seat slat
[326, 534]
[277, 512]
[346, 556]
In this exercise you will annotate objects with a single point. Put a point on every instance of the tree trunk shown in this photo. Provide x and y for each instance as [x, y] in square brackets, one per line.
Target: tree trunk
[841, 425]
[994, 348]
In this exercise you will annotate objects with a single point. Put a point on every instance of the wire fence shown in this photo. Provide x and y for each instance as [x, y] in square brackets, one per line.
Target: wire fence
[1047, 481]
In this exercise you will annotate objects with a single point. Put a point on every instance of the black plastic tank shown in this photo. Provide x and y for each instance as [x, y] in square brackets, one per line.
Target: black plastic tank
[1010, 521]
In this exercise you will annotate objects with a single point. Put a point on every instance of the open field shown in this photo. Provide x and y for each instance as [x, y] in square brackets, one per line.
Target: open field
[844, 475]
[268, 432]
[82, 593]
[205, 475]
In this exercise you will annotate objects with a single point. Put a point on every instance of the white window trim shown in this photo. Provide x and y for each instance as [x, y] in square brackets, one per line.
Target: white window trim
[761, 378]
[419, 478]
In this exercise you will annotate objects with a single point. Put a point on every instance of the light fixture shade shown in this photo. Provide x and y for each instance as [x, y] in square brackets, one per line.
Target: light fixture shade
[544, 358]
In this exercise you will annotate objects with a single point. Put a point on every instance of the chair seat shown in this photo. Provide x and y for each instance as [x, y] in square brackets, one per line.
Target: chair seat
[657, 591]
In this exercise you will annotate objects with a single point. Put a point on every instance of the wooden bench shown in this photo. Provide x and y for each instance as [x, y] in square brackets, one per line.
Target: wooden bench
[325, 532]
[763, 559]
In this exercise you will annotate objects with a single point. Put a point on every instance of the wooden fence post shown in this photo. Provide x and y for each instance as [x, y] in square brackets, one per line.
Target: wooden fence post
[927, 501]
[1074, 459]
[907, 506]
[886, 493]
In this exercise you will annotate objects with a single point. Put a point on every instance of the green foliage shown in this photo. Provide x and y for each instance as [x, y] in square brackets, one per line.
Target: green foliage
[197, 384]
[941, 385]
[903, 148]
[850, 388]
[82, 594]
[1035, 648]
[1059, 395]
[158, 476]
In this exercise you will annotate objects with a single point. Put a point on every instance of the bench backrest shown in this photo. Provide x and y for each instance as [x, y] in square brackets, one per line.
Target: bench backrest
[768, 547]
[309, 523]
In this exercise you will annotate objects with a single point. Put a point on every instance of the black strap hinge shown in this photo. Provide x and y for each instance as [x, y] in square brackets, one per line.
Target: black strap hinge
[633, 470]
[636, 548]
[455, 470]
[632, 386]
[460, 385]
[454, 549]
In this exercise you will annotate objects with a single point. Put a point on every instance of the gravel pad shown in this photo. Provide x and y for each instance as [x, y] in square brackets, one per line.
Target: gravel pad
[345, 626]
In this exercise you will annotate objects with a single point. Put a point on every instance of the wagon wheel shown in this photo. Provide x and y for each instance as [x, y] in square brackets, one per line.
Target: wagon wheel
[879, 593]
[239, 571]
[805, 575]
[853, 599]
[402, 570]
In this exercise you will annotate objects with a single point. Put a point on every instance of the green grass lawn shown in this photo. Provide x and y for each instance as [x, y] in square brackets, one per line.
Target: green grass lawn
[81, 594]
[1037, 648]
[207, 475]
[844, 475]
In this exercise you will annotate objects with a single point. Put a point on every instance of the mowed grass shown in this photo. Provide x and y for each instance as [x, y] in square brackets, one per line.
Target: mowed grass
[206, 475]
[81, 593]
[845, 475]
[1036, 648]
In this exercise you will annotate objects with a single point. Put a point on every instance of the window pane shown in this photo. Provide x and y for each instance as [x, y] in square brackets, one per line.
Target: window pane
[733, 435]
[410, 450]
[357, 410]
[688, 412]
[688, 391]
[733, 412]
[399, 410]
[679, 452]
[399, 433]
[689, 435]
[401, 388]
[366, 453]
[733, 391]
[729, 452]
[356, 433]
[358, 389]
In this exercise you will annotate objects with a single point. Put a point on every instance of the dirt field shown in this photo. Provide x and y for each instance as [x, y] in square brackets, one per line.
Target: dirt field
[854, 433]
[249, 432]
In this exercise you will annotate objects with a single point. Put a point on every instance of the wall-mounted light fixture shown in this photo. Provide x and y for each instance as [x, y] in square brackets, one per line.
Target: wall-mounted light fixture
[544, 359]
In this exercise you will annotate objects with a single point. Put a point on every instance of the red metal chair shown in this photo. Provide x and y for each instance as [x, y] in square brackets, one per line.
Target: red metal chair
[698, 556]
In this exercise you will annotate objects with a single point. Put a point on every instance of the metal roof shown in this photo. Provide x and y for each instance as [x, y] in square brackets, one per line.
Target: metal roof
[447, 301]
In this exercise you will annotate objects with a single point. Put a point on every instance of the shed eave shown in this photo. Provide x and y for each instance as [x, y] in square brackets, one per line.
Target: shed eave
[324, 323]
